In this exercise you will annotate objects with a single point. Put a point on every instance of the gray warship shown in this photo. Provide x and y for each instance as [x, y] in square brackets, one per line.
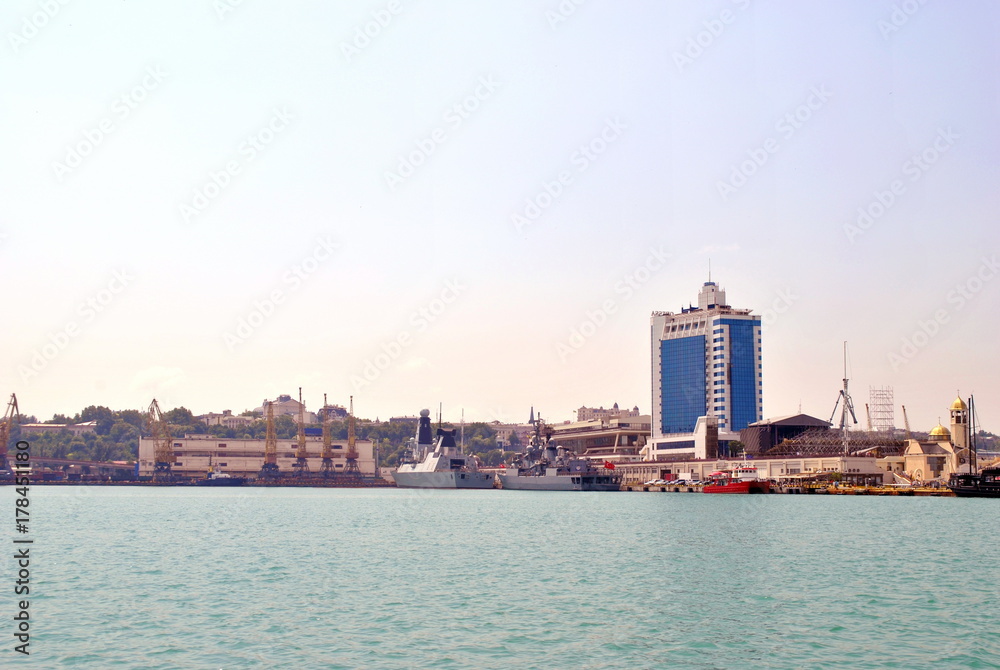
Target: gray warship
[555, 468]
[440, 466]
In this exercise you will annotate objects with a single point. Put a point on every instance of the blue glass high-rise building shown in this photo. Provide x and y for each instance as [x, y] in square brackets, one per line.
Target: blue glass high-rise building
[706, 372]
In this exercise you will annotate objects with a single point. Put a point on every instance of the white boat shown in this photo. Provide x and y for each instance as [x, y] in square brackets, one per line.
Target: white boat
[440, 466]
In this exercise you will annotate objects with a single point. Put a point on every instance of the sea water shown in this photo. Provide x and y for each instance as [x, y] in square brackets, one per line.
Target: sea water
[133, 577]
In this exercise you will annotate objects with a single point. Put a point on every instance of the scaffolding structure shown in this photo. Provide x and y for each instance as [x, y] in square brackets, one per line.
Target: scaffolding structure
[880, 400]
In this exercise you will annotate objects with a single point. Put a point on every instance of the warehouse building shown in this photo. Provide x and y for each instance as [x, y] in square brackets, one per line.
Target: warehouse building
[244, 458]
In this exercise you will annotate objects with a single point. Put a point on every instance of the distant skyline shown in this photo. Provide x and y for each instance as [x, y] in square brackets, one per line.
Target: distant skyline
[211, 203]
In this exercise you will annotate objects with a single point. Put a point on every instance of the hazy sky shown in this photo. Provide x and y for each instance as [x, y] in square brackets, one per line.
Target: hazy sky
[213, 203]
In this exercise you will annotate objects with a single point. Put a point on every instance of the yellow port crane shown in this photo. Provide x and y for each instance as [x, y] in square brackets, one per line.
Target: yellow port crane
[327, 455]
[163, 450]
[351, 469]
[301, 466]
[6, 427]
[270, 468]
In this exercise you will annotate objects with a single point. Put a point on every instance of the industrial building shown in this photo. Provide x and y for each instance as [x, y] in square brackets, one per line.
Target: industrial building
[245, 458]
[707, 369]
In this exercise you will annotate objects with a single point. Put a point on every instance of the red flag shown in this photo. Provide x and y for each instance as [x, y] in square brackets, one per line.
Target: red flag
[608, 465]
[503, 467]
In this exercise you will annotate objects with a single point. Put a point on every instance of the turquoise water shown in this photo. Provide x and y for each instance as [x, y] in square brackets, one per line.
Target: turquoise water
[326, 578]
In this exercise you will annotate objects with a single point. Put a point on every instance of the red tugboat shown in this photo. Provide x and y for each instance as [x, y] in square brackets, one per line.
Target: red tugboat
[742, 479]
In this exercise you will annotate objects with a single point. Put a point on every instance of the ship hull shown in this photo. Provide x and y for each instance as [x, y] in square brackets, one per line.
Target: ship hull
[570, 482]
[975, 492]
[443, 480]
[738, 487]
[228, 481]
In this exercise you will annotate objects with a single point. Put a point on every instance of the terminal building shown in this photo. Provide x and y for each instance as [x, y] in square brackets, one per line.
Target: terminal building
[707, 377]
[244, 458]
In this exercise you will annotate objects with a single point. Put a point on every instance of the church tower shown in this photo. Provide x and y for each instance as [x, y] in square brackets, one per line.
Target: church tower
[960, 423]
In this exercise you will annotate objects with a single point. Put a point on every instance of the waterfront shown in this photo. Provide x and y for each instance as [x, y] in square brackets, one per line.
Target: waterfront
[325, 578]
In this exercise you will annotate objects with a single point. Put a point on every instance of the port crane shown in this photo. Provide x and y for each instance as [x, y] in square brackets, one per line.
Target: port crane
[351, 469]
[163, 450]
[6, 426]
[301, 466]
[327, 468]
[269, 470]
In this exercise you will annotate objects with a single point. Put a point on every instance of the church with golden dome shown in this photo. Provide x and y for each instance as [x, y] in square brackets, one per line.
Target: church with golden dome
[944, 452]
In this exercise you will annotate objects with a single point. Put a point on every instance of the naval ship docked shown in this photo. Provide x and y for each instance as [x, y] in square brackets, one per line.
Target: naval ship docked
[441, 466]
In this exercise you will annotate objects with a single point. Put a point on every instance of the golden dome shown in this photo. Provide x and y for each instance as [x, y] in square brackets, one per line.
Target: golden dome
[959, 405]
[940, 432]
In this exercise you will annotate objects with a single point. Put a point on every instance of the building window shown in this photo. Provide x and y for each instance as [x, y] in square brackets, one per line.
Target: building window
[721, 347]
[222, 465]
[718, 356]
[222, 446]
[176, 463]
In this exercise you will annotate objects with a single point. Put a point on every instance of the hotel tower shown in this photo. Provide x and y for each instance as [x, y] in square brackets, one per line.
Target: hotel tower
[706, 377]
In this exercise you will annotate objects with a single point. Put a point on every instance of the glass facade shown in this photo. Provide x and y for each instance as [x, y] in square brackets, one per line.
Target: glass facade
[682, 383]
[743, 368]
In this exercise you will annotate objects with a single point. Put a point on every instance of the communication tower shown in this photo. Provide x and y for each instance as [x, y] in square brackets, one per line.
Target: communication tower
[847, 407]
[270, 468]
[351, 469]
[301, 466]
[163, 450]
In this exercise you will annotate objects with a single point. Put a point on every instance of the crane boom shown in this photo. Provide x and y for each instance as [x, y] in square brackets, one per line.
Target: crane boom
[163, 451]
[301, 464]
[6, 425]
[351, 469]
[269, 470]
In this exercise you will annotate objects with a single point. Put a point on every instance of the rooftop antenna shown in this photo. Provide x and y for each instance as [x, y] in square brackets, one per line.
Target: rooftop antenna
[709, 270]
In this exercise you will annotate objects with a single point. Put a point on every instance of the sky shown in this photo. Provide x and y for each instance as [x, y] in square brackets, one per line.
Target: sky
[479, 205]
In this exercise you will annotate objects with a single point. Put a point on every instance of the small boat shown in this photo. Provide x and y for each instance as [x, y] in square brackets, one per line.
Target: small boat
[742, 479]
[986, 484]
[219, 478]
